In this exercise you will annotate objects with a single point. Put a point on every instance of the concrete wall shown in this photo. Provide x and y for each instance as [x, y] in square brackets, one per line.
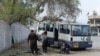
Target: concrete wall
[16, 30]
[19, 32]
[5, 36]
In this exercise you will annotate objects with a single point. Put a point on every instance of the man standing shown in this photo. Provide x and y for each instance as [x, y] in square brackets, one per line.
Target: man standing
[45, 42]
[32, 40]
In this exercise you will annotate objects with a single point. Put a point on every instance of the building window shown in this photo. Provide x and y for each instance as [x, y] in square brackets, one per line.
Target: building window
[91, 21]
[97, 21]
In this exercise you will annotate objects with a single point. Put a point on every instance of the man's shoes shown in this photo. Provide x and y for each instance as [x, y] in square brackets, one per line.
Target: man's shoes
[45, 51]
[38, 53]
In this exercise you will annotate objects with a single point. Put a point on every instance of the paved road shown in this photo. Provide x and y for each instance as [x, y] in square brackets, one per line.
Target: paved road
[23, 50]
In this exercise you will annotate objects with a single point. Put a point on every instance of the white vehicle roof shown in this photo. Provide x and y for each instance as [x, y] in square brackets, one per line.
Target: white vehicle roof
[67, 23]
[71, 23]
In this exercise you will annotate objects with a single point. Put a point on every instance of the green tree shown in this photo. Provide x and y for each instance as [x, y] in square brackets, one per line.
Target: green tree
[14, 11]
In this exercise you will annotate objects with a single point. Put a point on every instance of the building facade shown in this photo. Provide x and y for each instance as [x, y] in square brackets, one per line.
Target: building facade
[94, 22]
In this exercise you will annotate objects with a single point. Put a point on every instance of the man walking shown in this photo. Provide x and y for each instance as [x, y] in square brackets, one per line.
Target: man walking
[32, 40]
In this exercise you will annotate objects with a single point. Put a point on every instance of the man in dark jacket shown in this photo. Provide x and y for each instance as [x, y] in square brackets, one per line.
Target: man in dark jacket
[65, 48]
[32, 40]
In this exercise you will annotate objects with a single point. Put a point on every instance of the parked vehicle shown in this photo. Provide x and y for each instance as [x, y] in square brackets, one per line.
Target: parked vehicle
[75, 36]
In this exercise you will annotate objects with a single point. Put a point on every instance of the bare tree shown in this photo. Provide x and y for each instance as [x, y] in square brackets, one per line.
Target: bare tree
[58, 8]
